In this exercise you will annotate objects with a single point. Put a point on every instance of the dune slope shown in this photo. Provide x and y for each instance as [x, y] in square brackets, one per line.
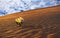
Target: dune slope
[38, 23]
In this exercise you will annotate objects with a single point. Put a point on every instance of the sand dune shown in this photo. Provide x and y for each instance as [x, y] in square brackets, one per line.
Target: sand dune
[38, 23]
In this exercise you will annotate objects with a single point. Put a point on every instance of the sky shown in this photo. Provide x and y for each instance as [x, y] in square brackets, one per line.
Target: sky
[13, 6]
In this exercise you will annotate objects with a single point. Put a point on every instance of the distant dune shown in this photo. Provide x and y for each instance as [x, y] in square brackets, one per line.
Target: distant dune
[38, 23]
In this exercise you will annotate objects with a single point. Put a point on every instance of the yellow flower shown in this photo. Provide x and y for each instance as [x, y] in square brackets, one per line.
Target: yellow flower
[19, 20]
